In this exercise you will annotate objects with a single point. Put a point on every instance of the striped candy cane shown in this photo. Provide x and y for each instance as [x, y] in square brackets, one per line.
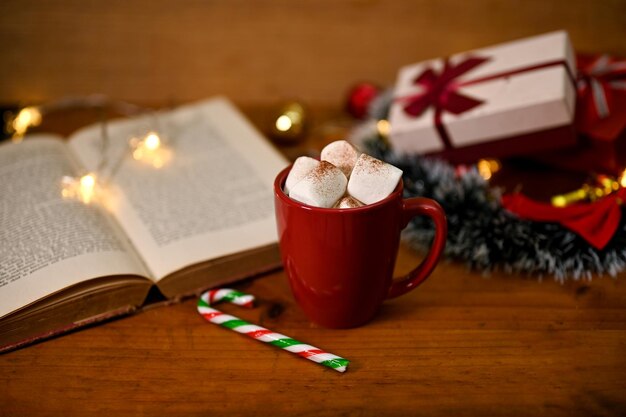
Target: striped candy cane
[260, 333]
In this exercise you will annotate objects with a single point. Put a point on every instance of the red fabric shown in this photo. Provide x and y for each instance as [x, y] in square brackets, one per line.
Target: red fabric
[601, 104]
[595, 222]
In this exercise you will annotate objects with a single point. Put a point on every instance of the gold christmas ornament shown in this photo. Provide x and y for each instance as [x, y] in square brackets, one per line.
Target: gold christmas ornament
[603, 185]
[289, 123]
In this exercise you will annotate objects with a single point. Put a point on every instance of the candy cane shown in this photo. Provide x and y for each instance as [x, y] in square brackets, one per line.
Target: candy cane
[260, 333]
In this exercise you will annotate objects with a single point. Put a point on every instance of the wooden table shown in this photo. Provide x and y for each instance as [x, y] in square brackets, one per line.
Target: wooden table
[462, 344]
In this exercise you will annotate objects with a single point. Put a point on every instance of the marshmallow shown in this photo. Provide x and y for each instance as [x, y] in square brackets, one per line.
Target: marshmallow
[321, 187]
[348, 202]
[342, 155]
[372, 179]
[302, 166]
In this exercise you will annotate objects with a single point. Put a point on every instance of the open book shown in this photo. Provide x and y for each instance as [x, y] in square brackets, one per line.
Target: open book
[204, 219]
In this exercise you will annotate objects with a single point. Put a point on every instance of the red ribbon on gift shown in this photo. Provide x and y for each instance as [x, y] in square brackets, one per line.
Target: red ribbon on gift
[440, 90]
[601, 86]
[595, 222]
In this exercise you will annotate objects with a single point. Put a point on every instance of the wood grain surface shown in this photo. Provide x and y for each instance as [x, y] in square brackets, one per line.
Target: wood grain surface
[460, 345]
[261, 51]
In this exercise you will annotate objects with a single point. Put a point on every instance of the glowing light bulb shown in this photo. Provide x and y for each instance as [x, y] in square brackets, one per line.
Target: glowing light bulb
[150, 150]
[87, 182]
[82, 189]
[622, 179]
[283, 123]
[152, 141]
[383, 127]
[27, 117]
[488, 167]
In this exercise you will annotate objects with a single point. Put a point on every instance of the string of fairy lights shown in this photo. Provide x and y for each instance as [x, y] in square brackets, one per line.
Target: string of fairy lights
[152, 148]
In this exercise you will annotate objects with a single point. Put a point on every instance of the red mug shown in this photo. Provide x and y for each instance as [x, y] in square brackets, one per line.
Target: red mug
[339, 262]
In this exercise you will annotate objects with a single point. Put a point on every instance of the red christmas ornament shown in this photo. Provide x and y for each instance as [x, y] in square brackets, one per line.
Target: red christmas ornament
[359, 99]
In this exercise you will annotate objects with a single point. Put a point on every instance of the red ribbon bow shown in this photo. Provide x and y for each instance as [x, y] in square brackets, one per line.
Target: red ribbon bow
[595, 222]
[439, 90]
[601, 85]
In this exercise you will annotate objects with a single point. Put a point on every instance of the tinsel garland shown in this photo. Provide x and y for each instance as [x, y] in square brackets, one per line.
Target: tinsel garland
[481, 232]
[486, 236]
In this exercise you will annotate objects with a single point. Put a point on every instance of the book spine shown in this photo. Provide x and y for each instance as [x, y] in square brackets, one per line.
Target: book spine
[123, 311]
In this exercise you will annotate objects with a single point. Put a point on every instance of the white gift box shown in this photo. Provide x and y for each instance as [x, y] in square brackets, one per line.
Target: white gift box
[510, 99]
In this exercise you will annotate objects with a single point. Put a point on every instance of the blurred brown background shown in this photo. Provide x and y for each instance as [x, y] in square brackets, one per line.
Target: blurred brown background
[157, 51]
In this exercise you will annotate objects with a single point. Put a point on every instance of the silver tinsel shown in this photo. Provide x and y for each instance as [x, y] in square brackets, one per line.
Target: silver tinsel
[481, 232]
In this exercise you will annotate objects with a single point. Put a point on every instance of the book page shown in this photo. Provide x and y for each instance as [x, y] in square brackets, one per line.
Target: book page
[48, 243]
[214, 197]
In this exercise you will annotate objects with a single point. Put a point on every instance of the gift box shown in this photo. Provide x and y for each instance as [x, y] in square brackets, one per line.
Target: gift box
[590, 155]
[601, 106]
[600, 118]
[516, 98]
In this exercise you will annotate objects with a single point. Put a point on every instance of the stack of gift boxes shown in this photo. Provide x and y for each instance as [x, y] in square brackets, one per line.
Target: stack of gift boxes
[532, 97]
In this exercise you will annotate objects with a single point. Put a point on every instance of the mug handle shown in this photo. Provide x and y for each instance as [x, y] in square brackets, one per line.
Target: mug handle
[410, 208]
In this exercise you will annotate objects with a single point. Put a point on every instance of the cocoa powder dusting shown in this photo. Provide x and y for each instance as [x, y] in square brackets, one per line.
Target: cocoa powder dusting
[371, 165]
[345, 155]
[342, 154]
[322, 170]
[320, 177]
